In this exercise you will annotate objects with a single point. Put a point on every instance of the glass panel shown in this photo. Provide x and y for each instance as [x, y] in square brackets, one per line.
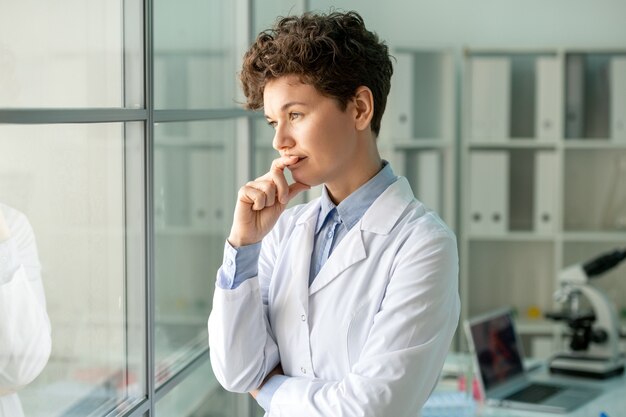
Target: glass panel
[75, 266]
[74, 58]
[200, 395]
[194, 201]
[194, 54]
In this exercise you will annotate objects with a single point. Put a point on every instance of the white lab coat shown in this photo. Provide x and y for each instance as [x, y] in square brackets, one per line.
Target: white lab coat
[24, 325]
[368, 337]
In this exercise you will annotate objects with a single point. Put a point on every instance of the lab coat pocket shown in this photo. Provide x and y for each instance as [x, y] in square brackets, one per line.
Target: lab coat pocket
[358, 330]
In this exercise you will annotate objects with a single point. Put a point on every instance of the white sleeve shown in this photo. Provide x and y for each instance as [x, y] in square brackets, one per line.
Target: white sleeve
[25, 339]
[242, 347]
[405, 349]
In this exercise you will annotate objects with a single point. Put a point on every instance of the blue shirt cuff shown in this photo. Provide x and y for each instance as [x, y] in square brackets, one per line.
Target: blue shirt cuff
[238, 265]
[266, 393]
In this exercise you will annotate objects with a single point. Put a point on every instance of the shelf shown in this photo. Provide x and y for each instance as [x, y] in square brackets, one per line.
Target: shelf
[525, 143]
[513, 237]
[472, 52]
[594, 236]
[591, 144]
[176, 144]
[418, 143]
[544, 326]
[535, 326]
[186, 231]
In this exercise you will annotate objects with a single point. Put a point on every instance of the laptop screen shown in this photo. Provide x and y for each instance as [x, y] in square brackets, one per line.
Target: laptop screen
[497, 350]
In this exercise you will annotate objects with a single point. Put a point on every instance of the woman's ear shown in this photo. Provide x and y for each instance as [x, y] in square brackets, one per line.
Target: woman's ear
[364, 107]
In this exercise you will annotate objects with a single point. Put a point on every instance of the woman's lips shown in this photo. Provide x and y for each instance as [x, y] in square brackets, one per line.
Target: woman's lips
[298, 163]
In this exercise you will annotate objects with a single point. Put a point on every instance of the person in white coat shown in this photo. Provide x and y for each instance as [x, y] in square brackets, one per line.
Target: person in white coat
[347, 305]
[25, 339]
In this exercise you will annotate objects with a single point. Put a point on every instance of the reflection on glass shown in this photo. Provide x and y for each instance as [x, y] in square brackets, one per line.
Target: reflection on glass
[70, 182]
[194, 190]
[200, 395]
[24, 324]
[194, 54]
[75, 57]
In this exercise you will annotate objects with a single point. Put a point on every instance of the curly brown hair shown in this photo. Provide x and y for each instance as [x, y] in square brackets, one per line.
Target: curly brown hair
[333, 52]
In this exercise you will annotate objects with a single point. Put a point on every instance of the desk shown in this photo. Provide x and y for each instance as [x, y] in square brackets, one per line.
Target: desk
[612, 401]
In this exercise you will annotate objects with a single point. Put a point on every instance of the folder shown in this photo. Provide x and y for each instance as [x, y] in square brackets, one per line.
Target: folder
[618, 98]
[490, 99]
[545, 192]
[429, 182]
[548, 96]
[401, 97]
[489, 183]
[575, 97]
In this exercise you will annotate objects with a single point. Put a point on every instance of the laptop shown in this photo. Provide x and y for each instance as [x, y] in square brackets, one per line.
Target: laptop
[504, 382]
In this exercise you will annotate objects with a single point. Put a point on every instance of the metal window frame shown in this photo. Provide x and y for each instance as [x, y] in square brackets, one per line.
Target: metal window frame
[146, 407]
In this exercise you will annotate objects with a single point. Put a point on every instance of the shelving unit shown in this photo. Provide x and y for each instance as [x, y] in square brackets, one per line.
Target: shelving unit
[543, 163]
[418, 130]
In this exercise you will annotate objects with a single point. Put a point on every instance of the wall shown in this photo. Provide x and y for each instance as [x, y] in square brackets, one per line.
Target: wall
[492, 23]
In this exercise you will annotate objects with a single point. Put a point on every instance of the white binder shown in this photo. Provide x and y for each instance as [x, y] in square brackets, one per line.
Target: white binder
[429, 179]
[401, 97]
[490, 99]
[575, 99]
[545, 192]
[548, 96]
[618, 98]
[489, 198]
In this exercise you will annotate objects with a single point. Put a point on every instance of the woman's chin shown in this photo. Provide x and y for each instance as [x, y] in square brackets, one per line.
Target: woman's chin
[304, 179]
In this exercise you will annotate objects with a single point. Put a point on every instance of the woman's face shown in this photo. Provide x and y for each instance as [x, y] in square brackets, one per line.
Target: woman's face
[312, 127]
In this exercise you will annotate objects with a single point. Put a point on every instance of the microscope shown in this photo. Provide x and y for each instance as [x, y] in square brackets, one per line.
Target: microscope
[594, 347]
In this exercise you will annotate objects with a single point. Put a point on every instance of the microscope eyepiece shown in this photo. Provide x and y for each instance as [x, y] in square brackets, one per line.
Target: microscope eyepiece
[604, 262]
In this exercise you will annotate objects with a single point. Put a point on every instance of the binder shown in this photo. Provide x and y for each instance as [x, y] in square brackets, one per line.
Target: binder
[545, 192]
[401, 97]
[490, 99]
[548, 95]
[618, 98]
[575, 97]
[489, 181]
[429, 179]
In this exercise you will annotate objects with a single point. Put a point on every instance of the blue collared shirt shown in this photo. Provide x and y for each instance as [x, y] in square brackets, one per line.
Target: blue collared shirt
[333, 223]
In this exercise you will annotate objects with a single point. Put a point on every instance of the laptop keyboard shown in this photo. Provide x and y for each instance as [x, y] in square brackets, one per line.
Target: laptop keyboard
[534, 393]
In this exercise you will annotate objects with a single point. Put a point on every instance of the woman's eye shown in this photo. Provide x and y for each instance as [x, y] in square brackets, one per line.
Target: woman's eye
[293, 116]
[272, 124]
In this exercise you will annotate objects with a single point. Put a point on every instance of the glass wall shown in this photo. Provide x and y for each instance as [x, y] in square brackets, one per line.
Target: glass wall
[194, 171]
[122, 147]
[70, 54]
[74, 240]
[194, 54]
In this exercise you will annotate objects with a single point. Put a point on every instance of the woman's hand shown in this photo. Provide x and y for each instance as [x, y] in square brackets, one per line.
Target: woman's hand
[276, 371]
[261, 202]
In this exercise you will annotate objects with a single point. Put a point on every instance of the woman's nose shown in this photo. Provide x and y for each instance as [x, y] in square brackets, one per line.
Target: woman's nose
[282, 138]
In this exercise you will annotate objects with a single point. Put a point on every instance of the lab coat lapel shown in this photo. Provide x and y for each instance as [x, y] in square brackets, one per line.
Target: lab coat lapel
[348, 252]
[379, 219]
